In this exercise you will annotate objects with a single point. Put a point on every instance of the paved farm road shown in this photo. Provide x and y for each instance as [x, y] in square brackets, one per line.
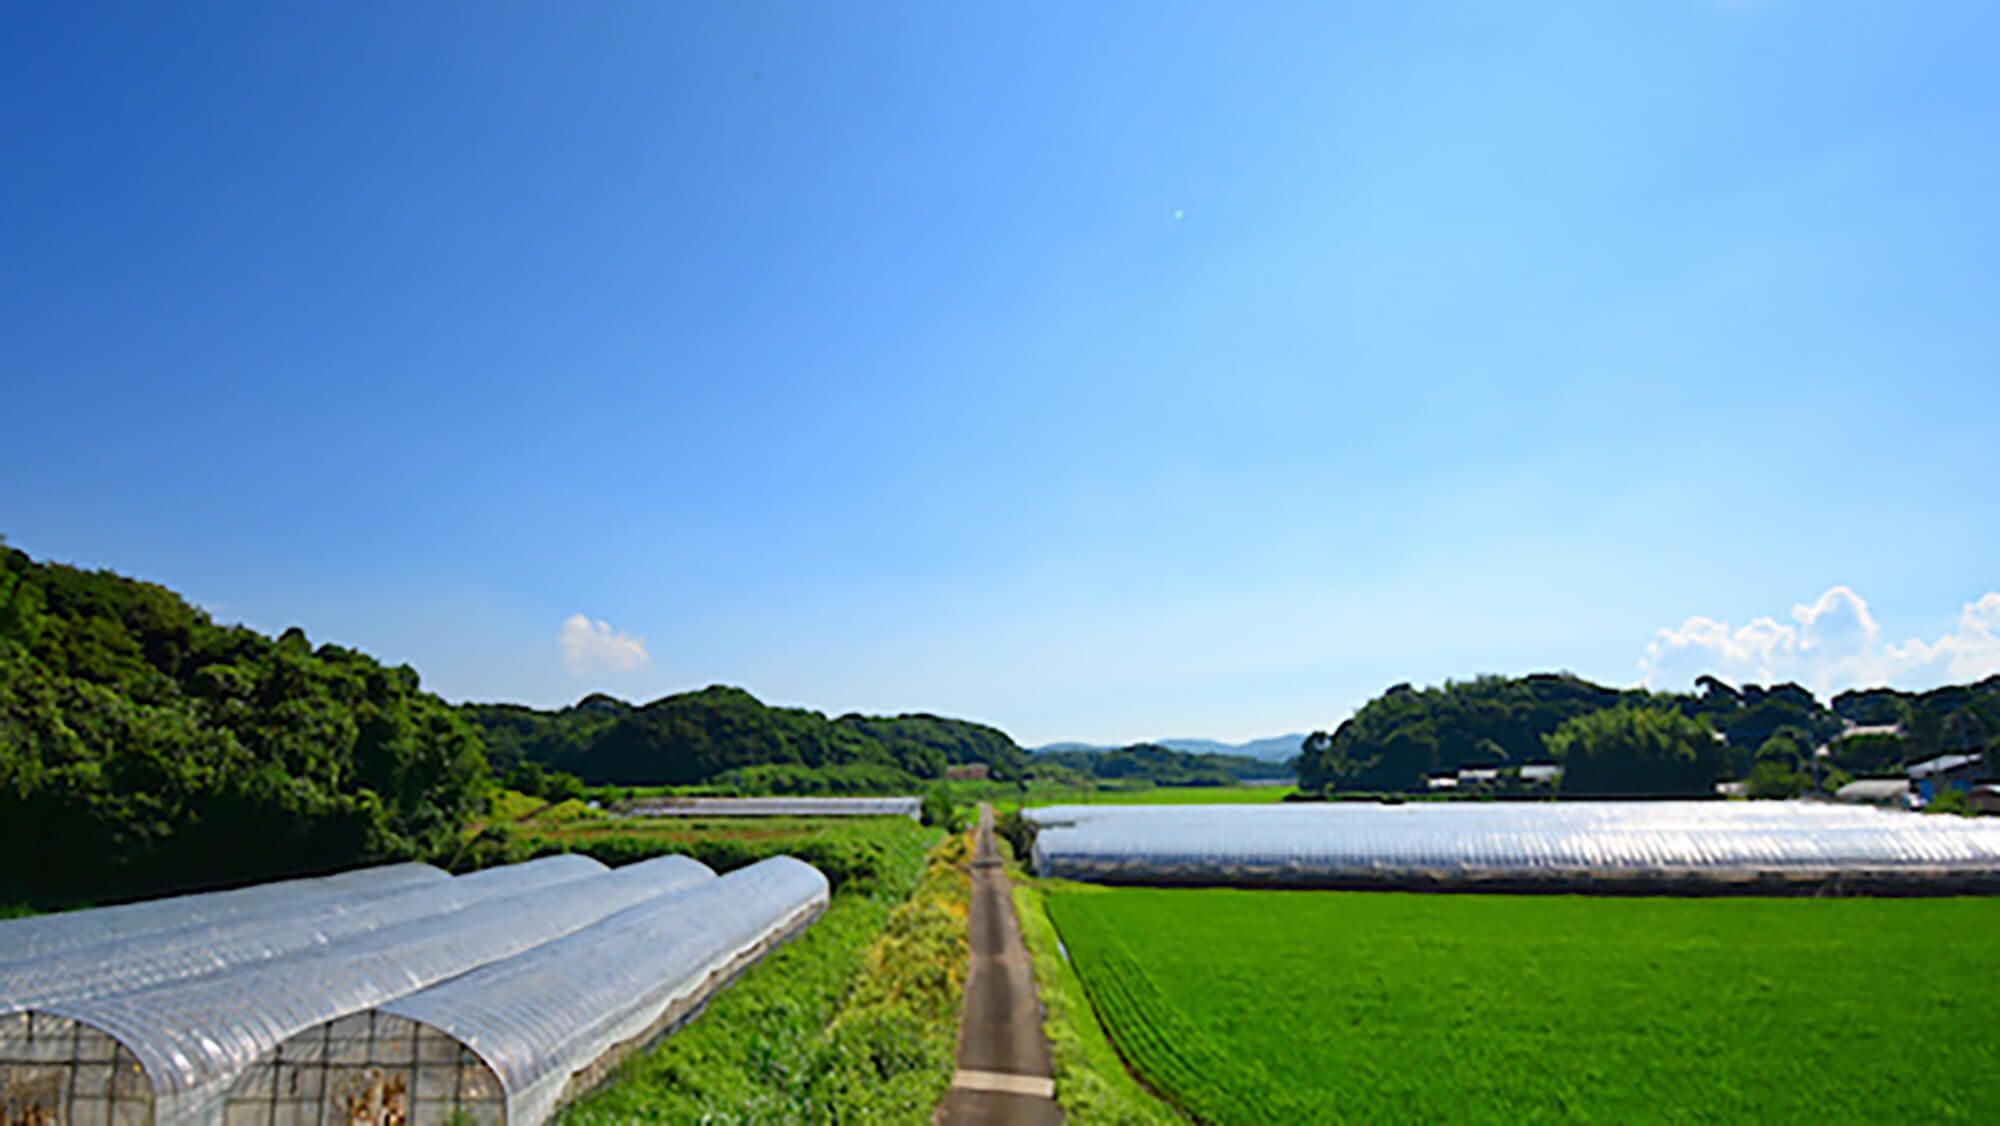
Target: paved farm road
[1004, 1074]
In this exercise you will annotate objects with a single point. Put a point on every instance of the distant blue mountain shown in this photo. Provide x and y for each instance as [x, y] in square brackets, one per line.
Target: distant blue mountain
[1277, 748]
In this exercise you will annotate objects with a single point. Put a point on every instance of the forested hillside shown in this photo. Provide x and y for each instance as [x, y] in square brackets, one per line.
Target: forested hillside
[1404, 734]
[726, 734]
[145, 748]
[1163, 766]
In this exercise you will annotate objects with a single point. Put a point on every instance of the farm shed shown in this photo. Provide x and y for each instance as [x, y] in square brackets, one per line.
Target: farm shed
[168, 1054]
[1580, 846]
[911, 808]
[1945, 772]
[71, 930]
[514, 1040]
[1894, 793]
[125, 964]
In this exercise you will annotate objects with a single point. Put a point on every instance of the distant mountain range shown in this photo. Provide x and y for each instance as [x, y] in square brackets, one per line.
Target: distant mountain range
[1277, 748]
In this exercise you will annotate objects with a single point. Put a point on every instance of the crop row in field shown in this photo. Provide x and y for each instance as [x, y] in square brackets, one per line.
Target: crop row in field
[1247, 1006]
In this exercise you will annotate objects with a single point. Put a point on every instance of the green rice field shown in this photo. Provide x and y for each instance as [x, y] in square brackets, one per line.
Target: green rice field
[1275, 1006]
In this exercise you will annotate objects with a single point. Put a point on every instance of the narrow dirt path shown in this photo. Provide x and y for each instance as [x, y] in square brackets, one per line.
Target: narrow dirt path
[1004, 1073]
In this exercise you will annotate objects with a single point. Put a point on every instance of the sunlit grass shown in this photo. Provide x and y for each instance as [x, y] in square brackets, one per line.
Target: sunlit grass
[1308, 1006]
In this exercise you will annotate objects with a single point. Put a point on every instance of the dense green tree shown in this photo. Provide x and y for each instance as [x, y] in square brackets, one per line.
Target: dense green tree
[1160, 766]
[701, 737]
[1406, 733]
[144, 748]
[1334, 764]
[1637, 750]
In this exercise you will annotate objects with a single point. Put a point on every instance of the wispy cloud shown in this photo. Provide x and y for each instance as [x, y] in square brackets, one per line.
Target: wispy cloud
[593, 646]
[1829, 645]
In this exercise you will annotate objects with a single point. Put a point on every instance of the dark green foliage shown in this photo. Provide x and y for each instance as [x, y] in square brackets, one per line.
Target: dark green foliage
[940, 812]
[145, 749]
[1950, 720]
[851, 778]
[1017, 831]
[1870, 754]
[1636, 751]
[698, 737]
[516, 733]
[1776, 778]
[1404, 734]
[921, 740]
[1951, 799]
[549, 785]
[1161, 766]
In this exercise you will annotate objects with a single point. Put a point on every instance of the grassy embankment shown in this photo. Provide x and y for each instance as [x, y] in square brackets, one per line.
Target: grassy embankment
[1092, 1083]
[856, 1020]
[1248, 1006]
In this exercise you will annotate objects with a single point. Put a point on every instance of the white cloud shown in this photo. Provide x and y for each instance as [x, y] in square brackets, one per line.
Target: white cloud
[593, 646]
[1829, 646]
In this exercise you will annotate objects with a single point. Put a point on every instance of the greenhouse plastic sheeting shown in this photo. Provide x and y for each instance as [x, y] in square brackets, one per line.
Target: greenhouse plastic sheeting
[778, 807]
[1340, 842]
[70, 930]
[541, 1017]
[152, 959]
[194, 1037]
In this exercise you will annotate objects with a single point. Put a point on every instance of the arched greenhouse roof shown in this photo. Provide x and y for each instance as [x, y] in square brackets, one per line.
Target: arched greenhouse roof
[1306, 843]
[70, 930]
[194, 1037]
[275, 929]
[543, 1015]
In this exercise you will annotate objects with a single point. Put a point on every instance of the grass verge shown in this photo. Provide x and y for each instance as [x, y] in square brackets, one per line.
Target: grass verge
[1092, 1083]
[854, 1021]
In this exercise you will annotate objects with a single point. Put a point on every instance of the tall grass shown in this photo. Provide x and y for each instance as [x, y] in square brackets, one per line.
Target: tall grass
[855, 1021]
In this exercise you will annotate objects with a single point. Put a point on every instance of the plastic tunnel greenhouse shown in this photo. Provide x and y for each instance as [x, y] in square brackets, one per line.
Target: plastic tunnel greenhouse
[513, 1041]
[275, 929]
[169, 1053]
[1578, 846]
[71, 930]
[778, 807]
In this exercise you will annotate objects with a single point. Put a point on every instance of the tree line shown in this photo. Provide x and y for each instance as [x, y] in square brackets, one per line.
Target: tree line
[1640, 742]
[145, 748]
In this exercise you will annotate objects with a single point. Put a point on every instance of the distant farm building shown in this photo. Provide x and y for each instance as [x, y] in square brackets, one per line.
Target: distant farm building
[1932, 777]
[1890, 793]
[968, 772]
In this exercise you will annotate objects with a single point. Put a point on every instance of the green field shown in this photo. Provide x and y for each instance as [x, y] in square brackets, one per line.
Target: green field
[1271, 1006]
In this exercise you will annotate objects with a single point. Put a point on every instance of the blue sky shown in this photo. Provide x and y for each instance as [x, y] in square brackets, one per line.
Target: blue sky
[1100, 371]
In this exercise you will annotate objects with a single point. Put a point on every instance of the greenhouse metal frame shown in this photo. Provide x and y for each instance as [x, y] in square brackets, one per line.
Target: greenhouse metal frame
[513, 1041]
